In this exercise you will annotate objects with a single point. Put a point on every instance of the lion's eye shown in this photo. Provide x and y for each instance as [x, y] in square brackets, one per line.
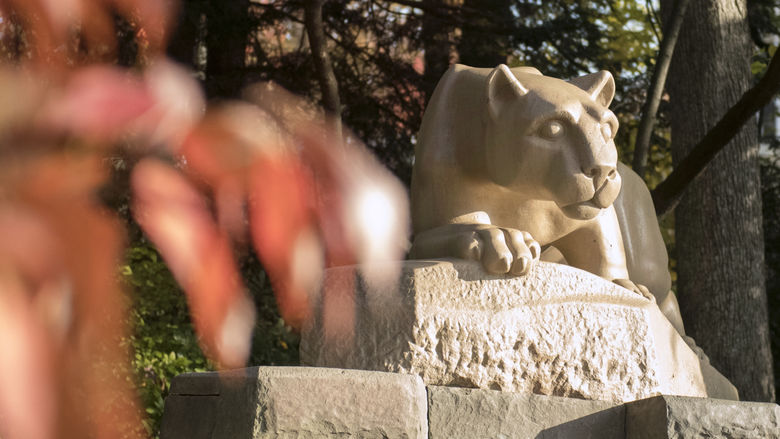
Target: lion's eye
[551, 129]
[607, 132]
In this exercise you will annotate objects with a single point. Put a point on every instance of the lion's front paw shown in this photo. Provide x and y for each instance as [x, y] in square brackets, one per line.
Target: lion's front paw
[501, 250]
[637, 288]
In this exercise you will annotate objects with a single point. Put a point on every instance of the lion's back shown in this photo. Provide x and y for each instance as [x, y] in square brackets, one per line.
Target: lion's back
[646, 257]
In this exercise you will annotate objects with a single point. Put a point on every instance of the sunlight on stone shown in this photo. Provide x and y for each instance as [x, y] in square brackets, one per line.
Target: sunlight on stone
[379, 212]
[376, 215]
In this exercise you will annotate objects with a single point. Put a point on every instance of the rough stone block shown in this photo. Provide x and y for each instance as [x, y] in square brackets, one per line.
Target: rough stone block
[476, 413]
[663, 417]
[279, 402]
[274, 402]
[556, 331]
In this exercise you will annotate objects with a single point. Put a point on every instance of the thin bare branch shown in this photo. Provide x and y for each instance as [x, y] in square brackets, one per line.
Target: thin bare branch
[652, 17]
[668, 193]
[319, 52]
[657, 83]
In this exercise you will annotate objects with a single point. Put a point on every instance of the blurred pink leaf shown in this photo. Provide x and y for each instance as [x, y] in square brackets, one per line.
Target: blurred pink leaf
[175, 216]
[220, 160]
[98, 103]
[26, 406]
[103, 103]
[360, 207]
[284, 232]
[26, 379]
[229, 197]
[70, 307]
[179, 104]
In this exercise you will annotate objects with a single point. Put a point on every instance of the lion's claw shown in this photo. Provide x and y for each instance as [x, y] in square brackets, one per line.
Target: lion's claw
[504, 250]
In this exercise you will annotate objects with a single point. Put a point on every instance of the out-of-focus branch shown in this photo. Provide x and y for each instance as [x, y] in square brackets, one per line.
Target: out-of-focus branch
[319, 52]
[652, 17]
[657, 83]
[667, 194]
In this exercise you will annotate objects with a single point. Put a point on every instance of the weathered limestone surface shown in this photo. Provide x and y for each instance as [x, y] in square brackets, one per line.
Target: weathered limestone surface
[665, 417]
[476, 413]
[555, 331]
[299, 402]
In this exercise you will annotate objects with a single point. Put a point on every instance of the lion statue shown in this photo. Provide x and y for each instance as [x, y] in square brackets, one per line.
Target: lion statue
[511, 166]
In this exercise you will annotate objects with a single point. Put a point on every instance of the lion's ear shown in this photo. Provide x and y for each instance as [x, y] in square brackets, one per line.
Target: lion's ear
[502, 88]
[600, 86]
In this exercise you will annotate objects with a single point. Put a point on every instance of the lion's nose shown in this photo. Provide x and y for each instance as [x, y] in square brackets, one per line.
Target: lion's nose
[600, 173]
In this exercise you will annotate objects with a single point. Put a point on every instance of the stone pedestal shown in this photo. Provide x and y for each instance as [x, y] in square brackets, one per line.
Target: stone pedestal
[556, 331]
[302, 402]
[666, 416]
[299, 402]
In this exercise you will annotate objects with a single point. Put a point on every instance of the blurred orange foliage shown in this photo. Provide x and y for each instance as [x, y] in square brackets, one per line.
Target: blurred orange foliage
[267, 172]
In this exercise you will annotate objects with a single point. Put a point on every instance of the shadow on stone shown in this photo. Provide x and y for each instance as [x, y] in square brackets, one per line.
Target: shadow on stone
[474, 413]
[599, 425]
[663, 417]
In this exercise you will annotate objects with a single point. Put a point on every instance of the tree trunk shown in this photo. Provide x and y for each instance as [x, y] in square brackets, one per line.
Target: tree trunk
[329, 86]
[481, 45]
[227, 29]
[438, 36]
[184, 39]
[668, 193]
[719, 238]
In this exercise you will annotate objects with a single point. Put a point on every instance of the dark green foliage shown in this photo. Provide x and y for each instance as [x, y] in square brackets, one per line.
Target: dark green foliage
[163, 342]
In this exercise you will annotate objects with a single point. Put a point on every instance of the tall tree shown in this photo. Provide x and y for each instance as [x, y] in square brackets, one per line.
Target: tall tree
[770, 188]
[485, 40]
[720, 256]
[329, 86]
[438, 38]
[227, 34]
[184, 39]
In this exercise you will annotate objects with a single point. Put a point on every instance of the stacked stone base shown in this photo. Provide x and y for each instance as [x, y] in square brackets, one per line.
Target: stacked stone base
[450, 352]
[302, 402]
